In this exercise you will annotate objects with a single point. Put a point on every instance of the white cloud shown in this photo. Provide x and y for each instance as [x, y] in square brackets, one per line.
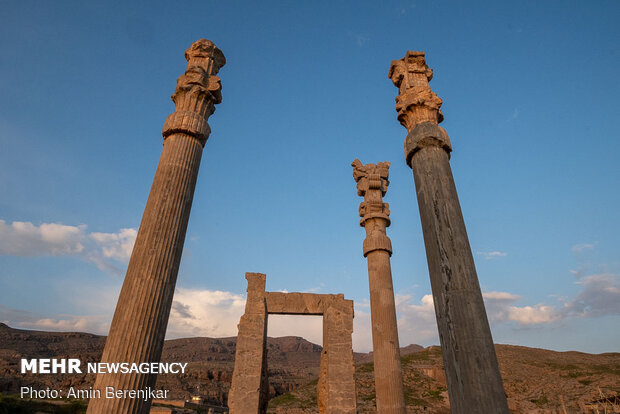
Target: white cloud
[492, 255]
[533, 315]
[500, 296]
[500, 308]
[217, 313]
[416, 320]
[204, 312]
[49, 239]
[106, 250]
[116, 246]
[599, 296]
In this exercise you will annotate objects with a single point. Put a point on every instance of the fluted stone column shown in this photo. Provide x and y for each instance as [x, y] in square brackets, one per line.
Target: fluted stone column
[249, 389]
[139, 324]
[372, 183]
[472, 372]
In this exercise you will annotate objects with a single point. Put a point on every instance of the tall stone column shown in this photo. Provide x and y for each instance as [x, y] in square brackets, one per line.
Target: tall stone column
[372, 183]
[472, 371]
[249, 389]
[139, 324]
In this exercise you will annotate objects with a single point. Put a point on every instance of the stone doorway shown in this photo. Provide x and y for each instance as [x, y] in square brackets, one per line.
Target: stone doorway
[336, 385]
[294, 346]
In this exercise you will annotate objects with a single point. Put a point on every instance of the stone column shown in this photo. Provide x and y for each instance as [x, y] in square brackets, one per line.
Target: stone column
[139, 324]
[249, 389]
[472, 371]
[336, 391]
[372, 182]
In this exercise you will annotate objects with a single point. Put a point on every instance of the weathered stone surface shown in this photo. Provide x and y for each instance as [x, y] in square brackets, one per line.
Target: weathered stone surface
[139, 324]
[416, 102]
[372, 183]
[472, 372]
[339, 380]
[295, 303]
[249, 389]
[426, 135]
[336, 385]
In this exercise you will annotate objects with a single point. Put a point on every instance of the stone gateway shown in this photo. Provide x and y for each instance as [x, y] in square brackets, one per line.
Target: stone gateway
[336, 385]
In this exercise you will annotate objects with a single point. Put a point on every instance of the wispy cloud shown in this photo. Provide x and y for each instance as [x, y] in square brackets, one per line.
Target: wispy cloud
[17, 318]
[492, 254]
[582, 254]
[315, 289]
[599, 296]
[106, 250]
[581, 248]
[359, 38]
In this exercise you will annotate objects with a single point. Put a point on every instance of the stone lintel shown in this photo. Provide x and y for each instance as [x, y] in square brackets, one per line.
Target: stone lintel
[424, 135]
[296, 303]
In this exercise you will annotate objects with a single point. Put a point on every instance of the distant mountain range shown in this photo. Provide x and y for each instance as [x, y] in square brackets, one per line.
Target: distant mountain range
[534, 379]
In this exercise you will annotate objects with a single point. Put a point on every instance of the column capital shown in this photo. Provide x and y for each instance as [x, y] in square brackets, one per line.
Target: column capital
[198, 91]
[371, 177]
[416, 102]
[372, 184]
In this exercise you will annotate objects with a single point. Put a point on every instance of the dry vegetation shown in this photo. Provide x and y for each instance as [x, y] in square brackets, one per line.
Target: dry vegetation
[534, 379]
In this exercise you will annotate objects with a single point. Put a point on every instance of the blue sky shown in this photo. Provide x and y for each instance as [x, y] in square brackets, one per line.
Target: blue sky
[530, 95]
